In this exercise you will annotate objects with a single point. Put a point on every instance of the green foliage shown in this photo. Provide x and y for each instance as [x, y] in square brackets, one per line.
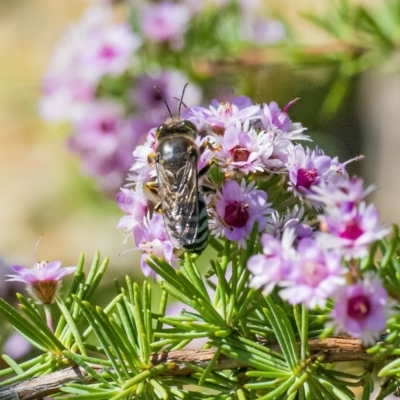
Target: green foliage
[257, 347]
[364, 39]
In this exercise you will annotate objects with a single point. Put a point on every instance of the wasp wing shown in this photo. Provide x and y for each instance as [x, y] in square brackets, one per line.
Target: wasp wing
[179, 201]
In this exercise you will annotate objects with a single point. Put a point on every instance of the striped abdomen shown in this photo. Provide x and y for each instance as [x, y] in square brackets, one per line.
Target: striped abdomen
[199, 222]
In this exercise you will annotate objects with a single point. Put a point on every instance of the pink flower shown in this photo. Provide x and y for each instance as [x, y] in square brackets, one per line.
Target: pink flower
[149, 101]
[351, 231]
[152, 238]
[134, 203]
[89, 49]
[237, 209]
[165, 22]
[242, 150]
[143, 166]
[260, 30]
[65, 96]
[342, 192]
[271, 268]
[293, 219]
[43, 280]
[109, 51]
[314, 275]
[272, 116]
[104, 139]
[16, 346]
[66, 87]
[219, 116]
[306, 169]
[361, 310]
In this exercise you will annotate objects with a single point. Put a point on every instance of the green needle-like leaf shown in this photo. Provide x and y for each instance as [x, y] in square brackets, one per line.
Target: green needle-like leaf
[44, 340]
[283, 332]
[95, 276]
[79, 360]
[93, 319]
[14, 365]
[193, 274]
[72, 326]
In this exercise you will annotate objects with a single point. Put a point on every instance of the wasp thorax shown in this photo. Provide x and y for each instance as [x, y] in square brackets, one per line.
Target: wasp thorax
[176, 127]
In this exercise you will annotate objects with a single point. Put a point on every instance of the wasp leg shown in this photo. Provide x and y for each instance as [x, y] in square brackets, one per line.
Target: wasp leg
[206, 168]
[204, 187]
[153, 187]
[206, 144]
[158, 207]
[207, 189]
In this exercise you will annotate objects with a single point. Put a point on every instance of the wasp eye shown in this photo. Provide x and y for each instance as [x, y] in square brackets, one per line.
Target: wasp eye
[189, 125]
[159, 130]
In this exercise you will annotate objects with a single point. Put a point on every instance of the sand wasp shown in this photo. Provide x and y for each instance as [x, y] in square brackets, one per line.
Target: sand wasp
[182, 204]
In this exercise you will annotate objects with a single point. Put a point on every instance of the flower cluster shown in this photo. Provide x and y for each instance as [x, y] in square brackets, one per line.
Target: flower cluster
[312, 219]
[102, 74]
[242, 145]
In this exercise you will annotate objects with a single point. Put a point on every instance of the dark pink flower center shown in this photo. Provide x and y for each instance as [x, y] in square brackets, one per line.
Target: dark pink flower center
[236, 214]
[352, 231]
[219, 130]
[359, 307]
[107, 52]
[240, 154]
[107, 126]
[306, 178]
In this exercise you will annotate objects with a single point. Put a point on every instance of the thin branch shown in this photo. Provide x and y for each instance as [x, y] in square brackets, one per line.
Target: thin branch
[334, 349]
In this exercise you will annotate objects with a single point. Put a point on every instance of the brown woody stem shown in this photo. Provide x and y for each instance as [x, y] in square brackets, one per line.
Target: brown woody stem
[333, 350]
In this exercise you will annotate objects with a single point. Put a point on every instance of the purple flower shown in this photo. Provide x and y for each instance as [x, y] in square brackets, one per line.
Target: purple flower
[241, 150]
[353, 231]
[292, 219]
[272, 116]
[152, 238]
[275, 159]
[16, 346]
[68, 85]
[134, 203]
[99, 128]
[342, 193]
[281, 133]
[108, 50]
[238, 207]
[143, 166]
[314, 275]
[165, 22]
[361, 310]
[218, 118]
[65, 96]
[43, 280]
[147, 99]
[271, 268]
[104, 140]
[306, 169]
[260, 30]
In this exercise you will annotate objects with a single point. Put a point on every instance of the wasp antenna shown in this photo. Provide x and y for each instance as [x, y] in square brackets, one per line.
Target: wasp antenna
[165, 101]
[35, 249]
[181, 102]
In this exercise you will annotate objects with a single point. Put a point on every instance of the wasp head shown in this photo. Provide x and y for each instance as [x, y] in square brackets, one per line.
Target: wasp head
[176, 126]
